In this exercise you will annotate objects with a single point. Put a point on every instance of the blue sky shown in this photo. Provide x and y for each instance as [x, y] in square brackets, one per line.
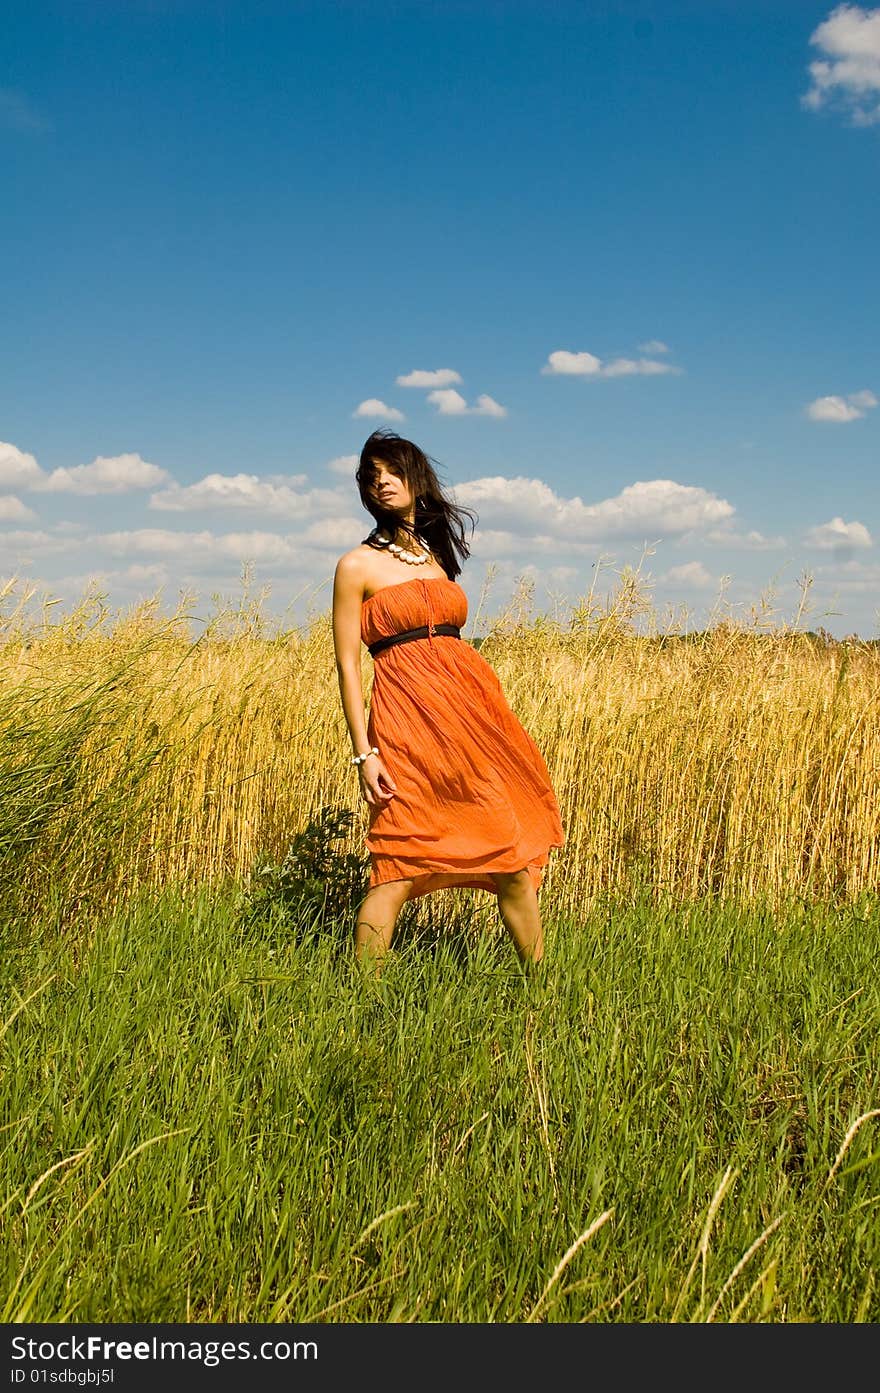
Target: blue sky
[614, 264]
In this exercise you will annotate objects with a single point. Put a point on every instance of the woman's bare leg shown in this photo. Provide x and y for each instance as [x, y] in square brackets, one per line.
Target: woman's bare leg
[377, 920]
[518, 906]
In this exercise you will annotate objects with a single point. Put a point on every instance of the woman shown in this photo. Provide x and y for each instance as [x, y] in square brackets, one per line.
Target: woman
[458, 792]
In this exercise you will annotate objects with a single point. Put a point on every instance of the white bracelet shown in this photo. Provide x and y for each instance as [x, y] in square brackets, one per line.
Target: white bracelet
[359, 759]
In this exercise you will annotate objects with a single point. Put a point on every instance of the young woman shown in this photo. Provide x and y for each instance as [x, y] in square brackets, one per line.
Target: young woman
[458, 792]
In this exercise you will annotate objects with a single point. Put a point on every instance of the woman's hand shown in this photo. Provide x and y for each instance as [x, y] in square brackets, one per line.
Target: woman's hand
[377, 785]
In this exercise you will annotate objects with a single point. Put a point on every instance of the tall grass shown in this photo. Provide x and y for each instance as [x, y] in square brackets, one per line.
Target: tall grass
[210, 1119]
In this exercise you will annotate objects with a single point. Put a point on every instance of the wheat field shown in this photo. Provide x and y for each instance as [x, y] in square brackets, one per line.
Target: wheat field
[740, 762]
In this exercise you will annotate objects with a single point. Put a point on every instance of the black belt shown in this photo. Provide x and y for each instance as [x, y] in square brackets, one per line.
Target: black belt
[408, 634]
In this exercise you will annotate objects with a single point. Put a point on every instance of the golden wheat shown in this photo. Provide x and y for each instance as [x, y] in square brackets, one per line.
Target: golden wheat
[740, 762]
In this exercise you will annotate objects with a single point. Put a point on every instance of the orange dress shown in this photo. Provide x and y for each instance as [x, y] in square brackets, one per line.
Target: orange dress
[473, 792]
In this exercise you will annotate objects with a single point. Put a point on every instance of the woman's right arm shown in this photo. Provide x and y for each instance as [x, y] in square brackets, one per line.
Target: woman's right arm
[348, 591]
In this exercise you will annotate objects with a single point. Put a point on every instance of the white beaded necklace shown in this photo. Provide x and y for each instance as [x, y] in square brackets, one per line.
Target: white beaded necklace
[411, 558]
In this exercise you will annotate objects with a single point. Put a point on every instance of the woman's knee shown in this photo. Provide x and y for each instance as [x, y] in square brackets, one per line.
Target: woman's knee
[395, 891]
[511, 880]
[401, 889]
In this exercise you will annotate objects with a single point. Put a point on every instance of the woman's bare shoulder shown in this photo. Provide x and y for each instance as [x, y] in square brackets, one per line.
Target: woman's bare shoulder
[356, 561]
[353, 569]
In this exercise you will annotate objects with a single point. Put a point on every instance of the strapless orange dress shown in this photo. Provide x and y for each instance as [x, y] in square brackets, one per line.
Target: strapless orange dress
[473, 792]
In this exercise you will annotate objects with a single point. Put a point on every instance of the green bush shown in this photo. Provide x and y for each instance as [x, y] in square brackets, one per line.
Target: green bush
[317, 885]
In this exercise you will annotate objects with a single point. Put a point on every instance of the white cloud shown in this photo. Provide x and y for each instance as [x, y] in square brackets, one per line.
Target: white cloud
[487, 406]
[654, 509]
[246, 491]
[221, 491]
[572, 364]
[344, 465]
[452, 403]
[853, 576]
[835, 408]
[257, 546]
[692, 573]
[14, 541]
[332, 535]
[849, 74]
[744, 541]
[202, 549]
[205, 545]
[105, 475]
[373, 407]
[495, 544]
[156, 574]
[832, 409]
[839, 535]
[627, 367]
[563, 363]
[448, 402]
[439, 377]
[654, 346]
[293, 481]
[562, 574]
[17, 468]
[140, 572]
[157, 539]
[338, 534]
[13, 510]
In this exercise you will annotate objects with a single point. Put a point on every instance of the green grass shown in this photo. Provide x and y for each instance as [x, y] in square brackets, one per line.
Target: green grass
[213, 1118]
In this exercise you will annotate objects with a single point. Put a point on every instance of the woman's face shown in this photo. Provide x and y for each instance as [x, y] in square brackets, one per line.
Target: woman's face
[390, 488]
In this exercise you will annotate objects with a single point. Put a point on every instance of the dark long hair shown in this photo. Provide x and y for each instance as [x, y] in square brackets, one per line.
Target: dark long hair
[439, 521]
